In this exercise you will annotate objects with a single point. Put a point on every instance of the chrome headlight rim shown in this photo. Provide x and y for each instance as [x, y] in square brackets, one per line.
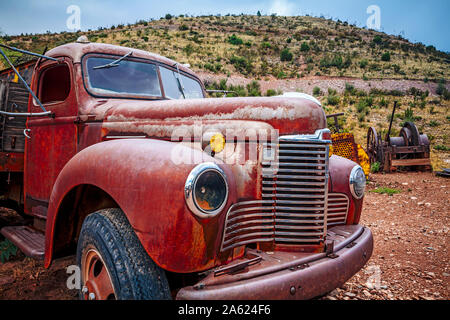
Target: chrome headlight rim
[352, 180]
[191, 183]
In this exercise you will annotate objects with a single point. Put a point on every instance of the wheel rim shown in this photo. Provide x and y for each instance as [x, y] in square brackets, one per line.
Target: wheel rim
[97, 284]
[372, 145]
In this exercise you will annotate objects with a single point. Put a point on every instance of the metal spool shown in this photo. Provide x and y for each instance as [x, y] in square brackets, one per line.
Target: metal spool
[398, 141]
[411, 134]
[424, 140]
[406, 135]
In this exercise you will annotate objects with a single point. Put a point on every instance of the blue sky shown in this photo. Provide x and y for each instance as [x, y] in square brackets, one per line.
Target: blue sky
[417, 20]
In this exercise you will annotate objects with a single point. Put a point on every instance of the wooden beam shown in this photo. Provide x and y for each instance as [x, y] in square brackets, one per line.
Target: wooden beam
[411, 162]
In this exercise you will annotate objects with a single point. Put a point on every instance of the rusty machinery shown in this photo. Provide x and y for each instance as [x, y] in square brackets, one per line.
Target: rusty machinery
[410, 150]
[344, 145]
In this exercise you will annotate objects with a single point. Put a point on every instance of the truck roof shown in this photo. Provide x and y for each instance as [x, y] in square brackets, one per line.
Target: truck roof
[77, 50]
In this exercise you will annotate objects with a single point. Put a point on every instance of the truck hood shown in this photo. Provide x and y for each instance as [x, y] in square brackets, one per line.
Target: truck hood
[286, 114]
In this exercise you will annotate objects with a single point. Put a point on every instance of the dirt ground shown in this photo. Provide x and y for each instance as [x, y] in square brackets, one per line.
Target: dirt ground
[410, 258]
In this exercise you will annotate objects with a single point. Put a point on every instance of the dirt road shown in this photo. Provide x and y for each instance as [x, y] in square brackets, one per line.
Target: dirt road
[410, 259]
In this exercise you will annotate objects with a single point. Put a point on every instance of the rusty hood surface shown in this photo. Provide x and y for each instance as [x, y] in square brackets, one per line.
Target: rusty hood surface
[288, 115]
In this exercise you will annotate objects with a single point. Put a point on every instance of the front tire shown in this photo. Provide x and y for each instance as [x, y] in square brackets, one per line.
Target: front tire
[113, 262]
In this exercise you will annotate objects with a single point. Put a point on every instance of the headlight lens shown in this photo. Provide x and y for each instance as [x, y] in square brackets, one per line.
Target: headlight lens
[206, 190]
[357, 182]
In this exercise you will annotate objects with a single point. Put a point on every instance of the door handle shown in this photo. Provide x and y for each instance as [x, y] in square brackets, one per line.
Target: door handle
[25, 133]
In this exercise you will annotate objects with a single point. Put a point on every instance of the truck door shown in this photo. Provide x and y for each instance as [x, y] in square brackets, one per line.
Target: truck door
[52, 141]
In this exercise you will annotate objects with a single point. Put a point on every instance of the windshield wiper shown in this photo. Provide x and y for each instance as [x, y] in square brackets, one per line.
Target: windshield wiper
[114, 63]
[180, 83]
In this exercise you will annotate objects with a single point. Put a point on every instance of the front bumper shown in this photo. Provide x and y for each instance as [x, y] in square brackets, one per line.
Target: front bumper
[287, 275]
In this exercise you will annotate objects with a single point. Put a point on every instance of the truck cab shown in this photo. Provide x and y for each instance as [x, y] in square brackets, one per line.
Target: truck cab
[162, 193]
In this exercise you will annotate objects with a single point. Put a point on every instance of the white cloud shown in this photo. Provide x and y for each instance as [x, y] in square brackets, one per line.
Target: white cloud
[282, 8]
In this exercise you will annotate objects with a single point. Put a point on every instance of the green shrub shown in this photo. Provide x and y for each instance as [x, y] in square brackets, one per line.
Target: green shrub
[235, 40]
[183, 27]
[281, 75]
[361, 117]
[386, 190]
[378, 39]
[441, 147]
[333, 100]
[254, 89]
[266, 45]
[286, 55]
[386, 57]
[361, 106]
[335, 61]
[349, 88]
[188, 49]
[317, 91]
[304, 47]
[7, 250]
[440, 89]
[375, 167]
[363, 63]
[242, 64]
[409, 115]
[433, 123]
[271, 93]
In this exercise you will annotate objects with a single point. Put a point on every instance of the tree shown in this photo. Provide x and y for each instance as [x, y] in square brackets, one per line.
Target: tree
[258, 13]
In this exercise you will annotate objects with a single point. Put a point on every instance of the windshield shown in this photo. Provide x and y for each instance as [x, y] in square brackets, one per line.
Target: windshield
[174, 89]
[126, 78]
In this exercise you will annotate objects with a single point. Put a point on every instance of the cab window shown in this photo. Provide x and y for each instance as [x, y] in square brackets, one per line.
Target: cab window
[55, 84]
[175, 84]
[135, 79]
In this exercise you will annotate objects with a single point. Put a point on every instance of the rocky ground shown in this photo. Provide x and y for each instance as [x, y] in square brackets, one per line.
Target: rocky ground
[410, 258]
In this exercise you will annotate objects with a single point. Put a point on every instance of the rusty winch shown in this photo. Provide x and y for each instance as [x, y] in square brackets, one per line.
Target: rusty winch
[410, 150]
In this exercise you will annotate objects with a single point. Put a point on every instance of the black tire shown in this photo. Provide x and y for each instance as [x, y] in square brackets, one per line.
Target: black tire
[133, 274]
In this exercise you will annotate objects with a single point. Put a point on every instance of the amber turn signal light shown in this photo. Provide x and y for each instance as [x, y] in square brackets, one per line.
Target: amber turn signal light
[217, 142]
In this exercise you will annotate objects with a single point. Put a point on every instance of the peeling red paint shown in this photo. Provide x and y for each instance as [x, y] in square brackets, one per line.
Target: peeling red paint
[124, 147]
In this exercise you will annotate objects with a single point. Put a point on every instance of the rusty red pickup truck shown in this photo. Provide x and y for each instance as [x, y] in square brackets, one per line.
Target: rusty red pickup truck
[117, 155]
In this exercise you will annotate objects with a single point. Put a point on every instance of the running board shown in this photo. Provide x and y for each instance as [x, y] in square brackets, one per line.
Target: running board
[30, 241]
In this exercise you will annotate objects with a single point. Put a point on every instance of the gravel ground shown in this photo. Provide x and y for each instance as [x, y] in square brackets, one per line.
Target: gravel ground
[410, 258]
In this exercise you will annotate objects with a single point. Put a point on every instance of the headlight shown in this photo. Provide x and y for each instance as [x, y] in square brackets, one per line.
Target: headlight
[357, 182]
[206, 190]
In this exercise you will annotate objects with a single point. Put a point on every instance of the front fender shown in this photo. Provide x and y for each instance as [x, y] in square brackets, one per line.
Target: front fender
[148, 186]
[340, 169]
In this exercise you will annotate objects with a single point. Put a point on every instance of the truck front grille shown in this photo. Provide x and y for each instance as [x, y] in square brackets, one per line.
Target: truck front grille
[294, 205]
[337, 209]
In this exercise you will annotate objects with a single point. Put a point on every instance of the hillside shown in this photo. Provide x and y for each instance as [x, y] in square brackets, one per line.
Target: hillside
[258, 47]
[357, 71]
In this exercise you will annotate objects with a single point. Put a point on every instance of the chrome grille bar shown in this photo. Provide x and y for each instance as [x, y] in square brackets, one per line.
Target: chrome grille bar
[295, 207]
